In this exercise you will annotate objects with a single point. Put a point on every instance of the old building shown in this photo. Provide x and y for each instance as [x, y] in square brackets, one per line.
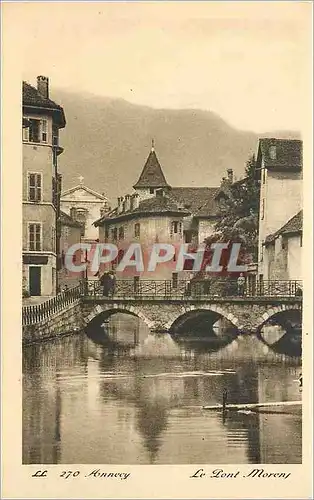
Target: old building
[42, 120]
[282, 255]
[71, 234]
[280, 165]
[84, 205]
[159, 213]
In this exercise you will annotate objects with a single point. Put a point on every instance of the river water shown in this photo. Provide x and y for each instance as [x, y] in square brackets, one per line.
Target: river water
[85, 402]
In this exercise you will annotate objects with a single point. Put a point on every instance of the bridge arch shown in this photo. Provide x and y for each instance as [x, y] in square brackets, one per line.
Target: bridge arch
[276, 310]
[110, 309]
[185, 310]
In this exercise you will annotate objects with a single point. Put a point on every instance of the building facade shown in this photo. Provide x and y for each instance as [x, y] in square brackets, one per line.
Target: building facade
[280, 166]
[159, 213]
[283, 251]
[85, 206]
[42, 120]
[71, 234]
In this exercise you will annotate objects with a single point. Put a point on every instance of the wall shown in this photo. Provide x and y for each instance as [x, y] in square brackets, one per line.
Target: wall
[80, 198]
[38, 158]
[70, 235]
[154, 229]
[283, 259]
[280, 200]
[294, 258]
[65, 322]
[145, 194]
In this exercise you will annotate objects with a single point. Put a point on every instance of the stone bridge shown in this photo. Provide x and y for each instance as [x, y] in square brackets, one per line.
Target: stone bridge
[162, 315]
[159, 308]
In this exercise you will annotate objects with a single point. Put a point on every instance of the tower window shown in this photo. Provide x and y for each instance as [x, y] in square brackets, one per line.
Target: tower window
[137, 230]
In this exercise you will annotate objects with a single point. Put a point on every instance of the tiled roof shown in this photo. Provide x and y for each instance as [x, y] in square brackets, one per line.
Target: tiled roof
[160, 204]
[152, 174]
[280, 153]
[151, 206]
[67, 220]
[294, 225]
[200, 201]
[31, 97]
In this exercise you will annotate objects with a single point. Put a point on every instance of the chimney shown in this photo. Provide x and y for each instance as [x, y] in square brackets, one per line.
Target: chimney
[73, 213]
[127, 202]
[136, 201]
[120, 204]
[230, 175]
[43, 86]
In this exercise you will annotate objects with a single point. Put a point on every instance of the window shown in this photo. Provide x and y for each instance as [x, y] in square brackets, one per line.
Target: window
[301, 240]
[176, 227]
[34, 237]
[34, 130]
[121, 233]
[151, 190]
[34, 187]
[263, 209]
[106, 233]
[159, 192]
[43, 130]
[263, 175]
[272, 152]
[137, 230]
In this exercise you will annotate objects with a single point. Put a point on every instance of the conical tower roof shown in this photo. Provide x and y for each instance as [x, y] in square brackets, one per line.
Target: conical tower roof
[152, 175]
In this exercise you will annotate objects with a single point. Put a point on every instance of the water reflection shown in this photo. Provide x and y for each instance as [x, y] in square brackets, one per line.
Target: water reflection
[85, 402]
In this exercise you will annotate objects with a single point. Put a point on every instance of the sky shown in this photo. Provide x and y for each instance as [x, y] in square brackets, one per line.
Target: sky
[247, 62]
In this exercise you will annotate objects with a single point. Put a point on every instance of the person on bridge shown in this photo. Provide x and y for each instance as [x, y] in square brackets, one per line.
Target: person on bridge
[112, 283]
[105, 282]
[241, 284]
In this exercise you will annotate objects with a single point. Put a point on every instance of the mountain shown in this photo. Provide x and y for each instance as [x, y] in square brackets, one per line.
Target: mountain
[108, 140]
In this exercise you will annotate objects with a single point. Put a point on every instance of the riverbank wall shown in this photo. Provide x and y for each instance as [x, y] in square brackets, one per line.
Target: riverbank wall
[65, 322]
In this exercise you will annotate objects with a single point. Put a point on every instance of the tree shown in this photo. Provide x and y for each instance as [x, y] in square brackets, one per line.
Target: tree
[238, 215]
[237, 222]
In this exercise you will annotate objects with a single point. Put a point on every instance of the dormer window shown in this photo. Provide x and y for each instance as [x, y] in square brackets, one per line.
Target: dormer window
[272, 153]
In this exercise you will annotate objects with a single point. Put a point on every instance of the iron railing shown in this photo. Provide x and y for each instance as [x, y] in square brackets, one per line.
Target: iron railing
[35, 313]
[160, 289]
[184, 289]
